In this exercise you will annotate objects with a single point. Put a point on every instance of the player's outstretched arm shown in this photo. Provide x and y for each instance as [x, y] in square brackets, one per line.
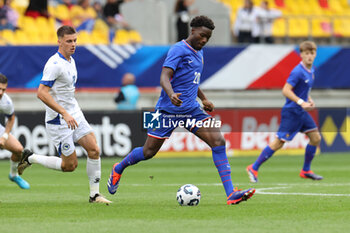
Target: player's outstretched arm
[165, 77]
[288, 92]
[44, 95]
[207, 104]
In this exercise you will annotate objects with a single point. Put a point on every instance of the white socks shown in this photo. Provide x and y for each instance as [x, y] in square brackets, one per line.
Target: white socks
[93, 169]
[13, 168]
[52, 162]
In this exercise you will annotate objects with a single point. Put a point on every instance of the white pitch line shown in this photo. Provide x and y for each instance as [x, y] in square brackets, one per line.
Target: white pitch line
[260, 189]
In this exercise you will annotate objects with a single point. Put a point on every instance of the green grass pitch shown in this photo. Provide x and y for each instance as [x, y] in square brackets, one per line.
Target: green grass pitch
[146, 198]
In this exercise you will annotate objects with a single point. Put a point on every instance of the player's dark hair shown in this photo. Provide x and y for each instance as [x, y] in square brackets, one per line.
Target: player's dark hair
[65, 30]
[307, 45]
[202, 21]
[3, 79]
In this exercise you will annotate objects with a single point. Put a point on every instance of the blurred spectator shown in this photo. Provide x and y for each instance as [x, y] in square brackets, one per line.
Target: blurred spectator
[183, 18]
[83, 16]
[113, 16]
[8, 16]
[244, 22]
[129, 93]
[68, 4]
[98, 9]
[37, 8]
[262, 27]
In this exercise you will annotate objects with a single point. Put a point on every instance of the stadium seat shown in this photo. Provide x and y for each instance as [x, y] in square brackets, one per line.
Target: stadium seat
[21, 38]
[62, 12]
[321, 27]
[8, 36]
[279, 28]
[29, 24]
[42, 22]
[84, 38]
[303, 18]
[34, 37]
[121, 37]
[298, 27]
[52, 11]
[134, 36]
[101, 26]
[98, 37]
[342, 27]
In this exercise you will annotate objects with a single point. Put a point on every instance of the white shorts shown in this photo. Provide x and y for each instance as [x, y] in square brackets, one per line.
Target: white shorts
[2, 130]
[64, 138]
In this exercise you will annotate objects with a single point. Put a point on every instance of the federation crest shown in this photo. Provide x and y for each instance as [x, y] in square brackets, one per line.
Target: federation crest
[65, 146]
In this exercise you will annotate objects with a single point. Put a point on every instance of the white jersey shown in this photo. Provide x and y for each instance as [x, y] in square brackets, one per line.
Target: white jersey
[6, 105]
[61, 75]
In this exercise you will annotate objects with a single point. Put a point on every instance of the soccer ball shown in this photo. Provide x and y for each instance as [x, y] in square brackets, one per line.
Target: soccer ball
[188, 194]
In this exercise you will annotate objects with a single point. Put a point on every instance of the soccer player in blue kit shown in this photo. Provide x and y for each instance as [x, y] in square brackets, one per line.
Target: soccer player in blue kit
[180, 79]
[294, 115]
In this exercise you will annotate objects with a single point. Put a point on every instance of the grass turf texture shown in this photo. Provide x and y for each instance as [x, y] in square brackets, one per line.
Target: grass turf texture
[146, 198]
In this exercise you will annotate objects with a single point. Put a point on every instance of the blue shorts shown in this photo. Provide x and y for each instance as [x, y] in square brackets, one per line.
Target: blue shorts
[172, 120]
[294, 121]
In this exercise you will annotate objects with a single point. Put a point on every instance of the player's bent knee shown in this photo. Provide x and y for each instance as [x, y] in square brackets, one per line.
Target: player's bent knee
[218, 142]
[315, 140]
[94, 153]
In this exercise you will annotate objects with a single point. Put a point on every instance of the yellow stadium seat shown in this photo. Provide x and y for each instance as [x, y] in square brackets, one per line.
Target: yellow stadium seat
[338, 27]
[121, 37]
[298, 27]
[29, 24]
[134, 36]
[99, 37]
[52, 23]
[21, 38]
[42, 22]
[335, 6]
[51, 10]
[8, 36]
[342, 27]
[279, 28]
[84, 38]
[101, 26]
[62, 12]
[321, 27]
[34, 38]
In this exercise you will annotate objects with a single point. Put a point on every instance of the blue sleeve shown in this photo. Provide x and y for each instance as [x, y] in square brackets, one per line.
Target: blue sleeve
[173, 58]
[293, 78]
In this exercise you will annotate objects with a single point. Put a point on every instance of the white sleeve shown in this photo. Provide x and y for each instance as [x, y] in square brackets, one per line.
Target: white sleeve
[9, 109]
[51, 73]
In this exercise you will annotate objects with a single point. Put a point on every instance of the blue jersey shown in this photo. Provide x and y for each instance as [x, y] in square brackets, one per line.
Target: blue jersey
[187, 64]
[302, 80]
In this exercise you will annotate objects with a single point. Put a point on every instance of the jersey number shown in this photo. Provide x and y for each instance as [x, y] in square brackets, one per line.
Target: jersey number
[197, 77]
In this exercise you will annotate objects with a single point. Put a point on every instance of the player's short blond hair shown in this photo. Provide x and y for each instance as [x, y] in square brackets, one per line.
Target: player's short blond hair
[307, 46]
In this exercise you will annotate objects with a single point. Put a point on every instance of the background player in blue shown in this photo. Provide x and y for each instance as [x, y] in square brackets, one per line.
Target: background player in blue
[180, 79]
[294, 115]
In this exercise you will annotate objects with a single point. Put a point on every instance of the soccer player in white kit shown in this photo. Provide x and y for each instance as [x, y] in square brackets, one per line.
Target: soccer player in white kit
[8, 141]
[65, 122]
